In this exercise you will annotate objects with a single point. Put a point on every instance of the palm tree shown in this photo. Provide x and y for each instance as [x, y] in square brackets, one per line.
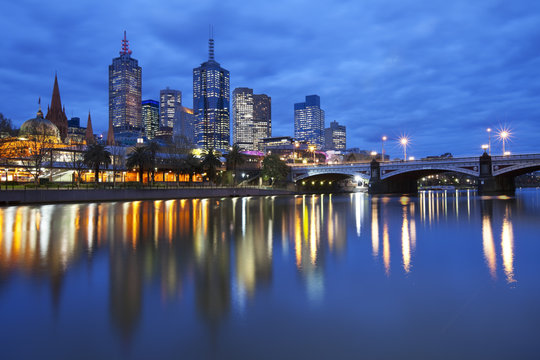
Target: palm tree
[139, 158]
[96, 155]
[152, 148]
[234, 158]
[193, 166]
[211, 162]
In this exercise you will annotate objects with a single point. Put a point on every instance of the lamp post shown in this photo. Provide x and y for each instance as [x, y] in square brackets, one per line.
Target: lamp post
[312, 149]
[384, 138]
[489, 140]
[503, 135]
[404, 141]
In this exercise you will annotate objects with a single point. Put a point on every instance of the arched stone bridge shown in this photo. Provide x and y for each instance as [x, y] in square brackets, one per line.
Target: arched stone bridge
[494, 174]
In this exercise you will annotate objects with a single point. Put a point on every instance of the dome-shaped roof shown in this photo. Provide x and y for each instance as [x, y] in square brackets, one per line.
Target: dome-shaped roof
[40, 126]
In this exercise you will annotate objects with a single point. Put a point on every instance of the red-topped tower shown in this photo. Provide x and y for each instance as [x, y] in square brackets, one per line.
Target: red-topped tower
[55, 113]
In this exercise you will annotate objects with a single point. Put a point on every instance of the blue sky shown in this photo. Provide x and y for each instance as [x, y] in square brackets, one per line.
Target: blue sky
[439, 71]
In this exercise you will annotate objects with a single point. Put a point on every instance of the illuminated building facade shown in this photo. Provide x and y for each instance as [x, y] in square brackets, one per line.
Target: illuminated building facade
[125, 85]
[252, 119]
[185, 126]
[335, 136]
[211, 104]
[170, 106]
[309, 121]
[150, 113]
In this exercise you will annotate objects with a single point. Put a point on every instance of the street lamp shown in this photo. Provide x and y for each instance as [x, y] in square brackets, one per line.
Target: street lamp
[312, 149]
[373, 154]
[404, 141]
[504, 135]
[489, 139]
[485, 147]
[384, 138]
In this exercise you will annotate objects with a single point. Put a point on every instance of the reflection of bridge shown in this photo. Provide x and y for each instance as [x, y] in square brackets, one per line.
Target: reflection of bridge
[494, 174]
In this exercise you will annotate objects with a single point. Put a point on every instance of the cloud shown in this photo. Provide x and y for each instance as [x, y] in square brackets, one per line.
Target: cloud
[440, 71]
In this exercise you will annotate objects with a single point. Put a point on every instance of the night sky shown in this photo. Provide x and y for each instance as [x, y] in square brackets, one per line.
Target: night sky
[439, 71]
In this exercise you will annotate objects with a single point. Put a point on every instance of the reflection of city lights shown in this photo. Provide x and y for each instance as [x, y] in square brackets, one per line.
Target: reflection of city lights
[386, 250]
[507, 246]
[374, 229]
[405, 242]
[489, 246]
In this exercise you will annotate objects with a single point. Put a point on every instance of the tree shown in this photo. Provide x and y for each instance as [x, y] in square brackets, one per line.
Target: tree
[234, 158]
[138, 158]
[35, 150]
[193, 166]
[76, 162]
[117, 156]
[6, 126]
[176, 155]
[95, 156]
[274, 169]
[210, 163]
[152, 148]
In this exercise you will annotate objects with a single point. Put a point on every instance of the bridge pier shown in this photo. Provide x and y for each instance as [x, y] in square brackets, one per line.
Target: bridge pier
[489, 184]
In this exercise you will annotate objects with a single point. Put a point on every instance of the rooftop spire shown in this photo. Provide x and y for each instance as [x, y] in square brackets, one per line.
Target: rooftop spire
[211, 44]
[125, 46]
[89, 131]
[39, 113]
[110, 134]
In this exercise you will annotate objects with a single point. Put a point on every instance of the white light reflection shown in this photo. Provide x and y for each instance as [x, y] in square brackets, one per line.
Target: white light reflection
[489, 246]
[507, 246]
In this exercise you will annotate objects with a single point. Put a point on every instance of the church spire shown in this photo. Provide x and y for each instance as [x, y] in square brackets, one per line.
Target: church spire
[125, 46]
[89, 131]
[110, 134]
[56, 113]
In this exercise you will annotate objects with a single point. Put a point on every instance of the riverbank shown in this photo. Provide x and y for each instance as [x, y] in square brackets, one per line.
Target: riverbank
[22, 197]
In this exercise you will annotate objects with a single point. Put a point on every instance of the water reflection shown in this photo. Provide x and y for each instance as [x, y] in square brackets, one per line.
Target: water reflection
[223, 251]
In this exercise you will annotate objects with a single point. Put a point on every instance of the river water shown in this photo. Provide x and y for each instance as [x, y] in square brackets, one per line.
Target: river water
[440, 275]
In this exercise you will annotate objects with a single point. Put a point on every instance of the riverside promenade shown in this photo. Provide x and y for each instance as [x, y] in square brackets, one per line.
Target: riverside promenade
[54, 196]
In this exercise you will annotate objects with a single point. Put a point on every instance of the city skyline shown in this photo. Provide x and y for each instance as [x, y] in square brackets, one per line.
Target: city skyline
[433, 72]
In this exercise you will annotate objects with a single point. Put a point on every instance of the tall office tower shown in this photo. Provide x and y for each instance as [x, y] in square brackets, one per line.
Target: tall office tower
[335, 137]
[211, 104]
[262, 120]
[170, 108]
[185, 127]
[251, 119]
[309, 121]
[125, 91]
[150, 114]
[56, 114]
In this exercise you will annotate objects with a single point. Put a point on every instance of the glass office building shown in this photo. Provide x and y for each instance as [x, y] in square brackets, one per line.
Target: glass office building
[251, 119]
[125, 111]
[211, 101]
[150, 111]
[309, 121]
[335, 136]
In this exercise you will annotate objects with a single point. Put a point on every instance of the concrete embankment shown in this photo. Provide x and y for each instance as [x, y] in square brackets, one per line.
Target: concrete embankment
[18, 197]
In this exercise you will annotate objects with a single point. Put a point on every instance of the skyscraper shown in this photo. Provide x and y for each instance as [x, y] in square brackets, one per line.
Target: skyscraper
[185, 127]
[335, 137]
[251, 119]
[170, 106]
[309, 121]
[211, 103]
[125, 91]
[150, 113]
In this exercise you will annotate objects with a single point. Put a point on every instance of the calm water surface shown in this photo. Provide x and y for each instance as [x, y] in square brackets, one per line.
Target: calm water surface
[441, 275]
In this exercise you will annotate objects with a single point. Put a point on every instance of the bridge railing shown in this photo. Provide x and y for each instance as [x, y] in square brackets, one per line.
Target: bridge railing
[420, 161]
